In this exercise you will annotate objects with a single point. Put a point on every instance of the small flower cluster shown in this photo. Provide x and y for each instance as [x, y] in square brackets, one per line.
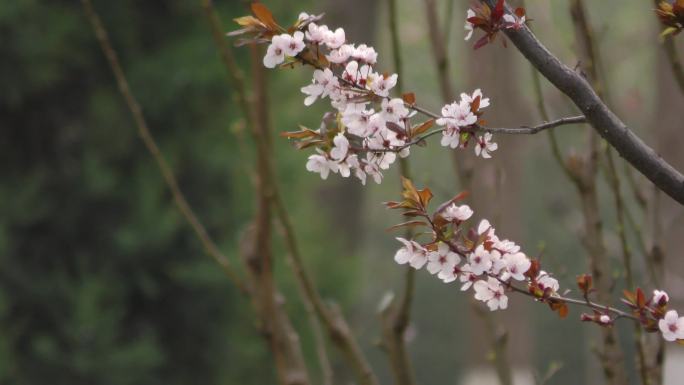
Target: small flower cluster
[491, 21]
[475, 257]
[460, 122]
[493, 267]
[367, 129]
[653, 314]
[671, 14]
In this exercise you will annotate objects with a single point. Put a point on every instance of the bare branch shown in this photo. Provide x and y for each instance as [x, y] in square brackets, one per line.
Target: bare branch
[144, 132]
[604, 121]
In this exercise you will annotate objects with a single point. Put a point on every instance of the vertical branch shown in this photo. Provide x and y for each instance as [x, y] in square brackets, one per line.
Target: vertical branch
[441, 58]
[332, 319]
[395, 317]
[276, 326]
[148, 140]
[611, 356]
[278, 329]
[181, 202]
[465, 172]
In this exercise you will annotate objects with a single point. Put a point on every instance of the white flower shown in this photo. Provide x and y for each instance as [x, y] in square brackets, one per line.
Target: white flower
[365, 54]
[412, 253]
[323, 84]
[451, 137]
[275, 53]
[345, 167]
[545, 281]
[383, 159]
[341, 147]
[376, 124]
[516, 265]
[394, 110]
[341, 54]
[480, 261]
[295, 44]
[498, 263]
[382, 85]
[660, 298]
[604, 319]
[672, 326]
[506, 246]
[469, 25]
[442, 260]
[403, 255]
[283, 45]
[485, 228]
[484, 102]
[355, 74]
[334, 40]
[484, 146]
[457, 114]
[317, 34]
[372, 169]
[356, 118]
[491, 292]
[467, 278]
[320, 164]
[303, 16]
[457, 213]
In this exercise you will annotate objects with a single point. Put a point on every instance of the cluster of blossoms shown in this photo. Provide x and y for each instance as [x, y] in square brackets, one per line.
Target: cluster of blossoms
[479, 259]
[366, 130]
[485, 263]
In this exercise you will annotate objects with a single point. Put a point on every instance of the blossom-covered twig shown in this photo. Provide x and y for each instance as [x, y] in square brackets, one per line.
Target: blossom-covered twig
[366, 122]
[492, 266]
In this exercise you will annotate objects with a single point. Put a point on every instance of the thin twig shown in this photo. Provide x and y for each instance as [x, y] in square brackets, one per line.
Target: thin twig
[605, 122]
[395, 317]
[494, 130]
[144, 132]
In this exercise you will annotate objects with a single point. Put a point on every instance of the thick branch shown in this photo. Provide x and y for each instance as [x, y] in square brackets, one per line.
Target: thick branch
[604, 121]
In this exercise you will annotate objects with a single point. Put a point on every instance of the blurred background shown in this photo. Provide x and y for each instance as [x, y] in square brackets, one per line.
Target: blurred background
[103, 282]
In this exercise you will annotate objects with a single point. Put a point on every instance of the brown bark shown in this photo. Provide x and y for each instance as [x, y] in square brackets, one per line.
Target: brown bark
[604, 121]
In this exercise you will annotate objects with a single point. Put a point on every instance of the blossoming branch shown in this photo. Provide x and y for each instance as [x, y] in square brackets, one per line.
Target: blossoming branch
[366, 128]
[493, 267]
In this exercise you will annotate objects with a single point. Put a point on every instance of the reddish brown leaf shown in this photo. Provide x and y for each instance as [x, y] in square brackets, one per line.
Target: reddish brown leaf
[629, 296]
[640, 298]
[407, 224]
[460, 196]
[481, 42]
[475, 105]
[417, 130]
[498, 12]
[248, 21]
[264, 15]
[303, 133]
[409, 98]
[425, 196]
